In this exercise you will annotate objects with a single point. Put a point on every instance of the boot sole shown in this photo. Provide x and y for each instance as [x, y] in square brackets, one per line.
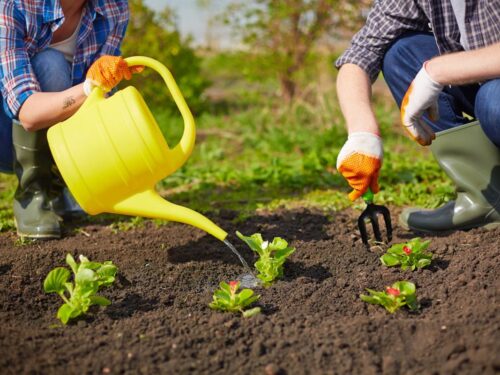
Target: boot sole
[489, 226]
[37, 236]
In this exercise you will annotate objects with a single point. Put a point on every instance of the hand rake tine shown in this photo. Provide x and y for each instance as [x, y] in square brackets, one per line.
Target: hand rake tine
[388, 224]
[376, 228]
[362, 228]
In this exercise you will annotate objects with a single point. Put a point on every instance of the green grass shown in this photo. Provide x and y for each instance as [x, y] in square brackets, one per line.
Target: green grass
[264, 158]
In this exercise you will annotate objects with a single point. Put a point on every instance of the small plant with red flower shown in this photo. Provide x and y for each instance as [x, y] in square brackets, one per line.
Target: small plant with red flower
[227, 299]
[401, 293]
[409, 255]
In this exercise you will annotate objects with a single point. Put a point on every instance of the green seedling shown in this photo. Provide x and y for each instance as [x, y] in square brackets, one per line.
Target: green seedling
[409, 255]
[272, 256]
[401, 293]
[227, 299]
[80, 294]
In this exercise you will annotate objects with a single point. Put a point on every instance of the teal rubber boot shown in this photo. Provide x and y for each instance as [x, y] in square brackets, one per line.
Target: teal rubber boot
[472, 162]
[33, 212]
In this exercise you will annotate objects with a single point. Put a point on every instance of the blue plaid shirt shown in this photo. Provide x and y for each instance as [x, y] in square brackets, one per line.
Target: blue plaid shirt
[389, 19]
[26, 28]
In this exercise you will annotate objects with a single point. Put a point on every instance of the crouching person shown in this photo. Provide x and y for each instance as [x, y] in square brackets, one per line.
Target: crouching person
[441, 61]
[47, 49]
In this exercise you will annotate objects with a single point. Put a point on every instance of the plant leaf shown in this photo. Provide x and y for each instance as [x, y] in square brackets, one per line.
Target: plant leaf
[254, 242]
[245, 294]
[278, 244]
[284, 253]
[389, 260]
[251, 312]
[406, 288]
[72, 263]
[225, 287]
[55, 280]
[85, 275]
[64, 313]
[397, 249]
[423, 263]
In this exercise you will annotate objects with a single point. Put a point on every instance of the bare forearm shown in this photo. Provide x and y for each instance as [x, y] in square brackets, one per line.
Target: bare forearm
[44, 109]
[354, 92]
[466, 67]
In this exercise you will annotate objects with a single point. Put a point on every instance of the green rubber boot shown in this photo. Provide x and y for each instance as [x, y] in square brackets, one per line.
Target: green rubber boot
[472, 162]
[33, 212]
[64, 204]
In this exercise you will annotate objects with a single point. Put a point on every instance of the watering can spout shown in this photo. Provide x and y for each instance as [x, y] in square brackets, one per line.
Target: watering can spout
[149, 204]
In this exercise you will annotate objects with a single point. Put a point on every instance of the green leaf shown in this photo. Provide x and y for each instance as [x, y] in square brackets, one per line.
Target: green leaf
[412, 303]
[222, 295]
[405, 287]
[423, 263]
[83, 259]
[55, 280]
[397, 249]
[251, 312]
[245, 294]
[94, 266]
[370, 299]
[87, 288]
[389, 260]
[64, 313]
[72, 263]
[85, 275]
[99, 300]
[225, 287]
[254, 242]
[278, 244]
[284, 253]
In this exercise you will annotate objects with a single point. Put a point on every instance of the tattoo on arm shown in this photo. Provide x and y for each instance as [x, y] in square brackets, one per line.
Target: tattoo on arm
[68, 102]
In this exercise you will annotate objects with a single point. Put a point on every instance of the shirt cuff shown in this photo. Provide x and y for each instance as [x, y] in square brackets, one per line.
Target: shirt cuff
[17, 87]
[367, 60]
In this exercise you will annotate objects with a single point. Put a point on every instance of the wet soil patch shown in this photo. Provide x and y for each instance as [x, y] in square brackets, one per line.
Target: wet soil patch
[313, 321]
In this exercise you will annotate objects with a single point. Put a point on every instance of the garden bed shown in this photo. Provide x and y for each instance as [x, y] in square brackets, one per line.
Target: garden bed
[313, 321]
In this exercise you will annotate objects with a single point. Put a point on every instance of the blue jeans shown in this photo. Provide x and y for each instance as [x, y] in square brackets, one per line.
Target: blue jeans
[405, 58]
[53, 73]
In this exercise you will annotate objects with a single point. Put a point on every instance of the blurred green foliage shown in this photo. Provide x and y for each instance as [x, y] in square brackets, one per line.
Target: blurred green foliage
[157, 35]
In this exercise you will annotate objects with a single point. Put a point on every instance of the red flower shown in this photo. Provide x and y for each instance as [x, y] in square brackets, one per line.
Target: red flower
[233, 286]
[407, 250]
[393, 291]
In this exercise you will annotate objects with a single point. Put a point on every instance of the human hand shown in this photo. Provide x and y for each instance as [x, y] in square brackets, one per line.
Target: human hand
[422, 96]
[107, 72]
[359, 161]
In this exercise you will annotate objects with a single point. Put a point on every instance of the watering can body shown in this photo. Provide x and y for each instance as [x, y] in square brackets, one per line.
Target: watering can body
[111, 154]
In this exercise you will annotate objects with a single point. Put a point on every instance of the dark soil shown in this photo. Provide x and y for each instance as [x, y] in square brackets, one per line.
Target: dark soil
[313, 321]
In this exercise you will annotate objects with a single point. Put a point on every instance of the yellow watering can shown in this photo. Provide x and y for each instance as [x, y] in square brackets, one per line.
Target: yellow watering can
[111, 153]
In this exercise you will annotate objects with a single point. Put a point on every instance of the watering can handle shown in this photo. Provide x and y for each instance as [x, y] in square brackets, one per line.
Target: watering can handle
[180, 153]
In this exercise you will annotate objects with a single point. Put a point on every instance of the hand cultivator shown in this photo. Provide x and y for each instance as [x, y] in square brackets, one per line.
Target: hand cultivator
[371, 213]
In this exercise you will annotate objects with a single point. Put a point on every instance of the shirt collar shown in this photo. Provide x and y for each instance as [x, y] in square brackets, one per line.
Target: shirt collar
[52, 10]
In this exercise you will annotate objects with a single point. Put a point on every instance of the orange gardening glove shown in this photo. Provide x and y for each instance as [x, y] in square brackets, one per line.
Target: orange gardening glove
[359, 162]
[422, 97]
[107, 72]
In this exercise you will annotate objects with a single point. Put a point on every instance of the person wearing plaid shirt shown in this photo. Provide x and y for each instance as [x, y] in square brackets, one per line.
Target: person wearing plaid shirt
[52, 53]
[441, 61]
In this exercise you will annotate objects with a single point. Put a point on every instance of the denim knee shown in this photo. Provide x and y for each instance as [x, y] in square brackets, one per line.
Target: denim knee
[52, 70]
[404, 59]
[487, 108]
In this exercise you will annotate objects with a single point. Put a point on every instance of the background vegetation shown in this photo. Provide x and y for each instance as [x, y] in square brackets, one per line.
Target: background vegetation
[269, 127]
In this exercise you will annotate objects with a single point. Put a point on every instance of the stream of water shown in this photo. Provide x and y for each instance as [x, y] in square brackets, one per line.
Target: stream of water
[248, 279]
